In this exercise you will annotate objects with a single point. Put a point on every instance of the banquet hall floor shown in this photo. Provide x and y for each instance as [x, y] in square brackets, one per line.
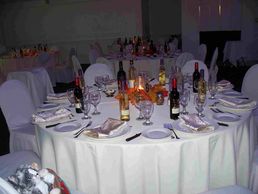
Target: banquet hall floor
[232, 73]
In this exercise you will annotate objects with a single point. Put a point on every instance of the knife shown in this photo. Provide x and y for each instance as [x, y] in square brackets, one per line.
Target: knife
[53, 125]
[133, 137]
[223, 124]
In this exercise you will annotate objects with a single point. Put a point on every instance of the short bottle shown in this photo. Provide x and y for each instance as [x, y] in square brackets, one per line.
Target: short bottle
[202, 87]
[162, 73]
[124, 105]
[78, 96]
[131, 75]
[196, 77]
[174, 101]
[121, 77]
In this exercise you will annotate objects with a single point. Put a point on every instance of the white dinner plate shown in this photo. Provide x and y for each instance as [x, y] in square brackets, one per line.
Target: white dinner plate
[49, 106]
[158, 133]
[117, 135]
[66, 127]
[230, 108]
[226, 117]
[232, 93]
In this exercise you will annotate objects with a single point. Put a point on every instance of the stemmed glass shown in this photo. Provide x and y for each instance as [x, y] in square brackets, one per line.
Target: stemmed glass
[105, 81]
[138, 106]
[86, 106]
[94, 98]
[184, 99]
[70, 96]
[99, 81]
[199, 104]
[212, 86]
[147, 107]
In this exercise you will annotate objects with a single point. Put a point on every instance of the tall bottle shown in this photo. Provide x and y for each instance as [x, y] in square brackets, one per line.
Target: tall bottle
[174, 101]
[196, 77]
[202, 87]
[78, 96]
[131, 75]
[162, 73]
[121, 77]
[81, 78]
[124, 105]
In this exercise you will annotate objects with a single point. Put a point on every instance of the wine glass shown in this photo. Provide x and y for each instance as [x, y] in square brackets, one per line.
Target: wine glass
[99, 81]
[70, 96]
[212, 86]
[94, 98]
[199, 104]
[105, 80]
[147, 110]
[86, 108]
[184, 99]
[138, 106]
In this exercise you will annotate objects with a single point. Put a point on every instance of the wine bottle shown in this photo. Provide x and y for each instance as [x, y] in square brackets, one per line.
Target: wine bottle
[174, 101]
[196, 77]
[202, 87]
[78, 97]
[162, 73]
[121, 77]
[131, 75]
[124, 105]
[81, 79]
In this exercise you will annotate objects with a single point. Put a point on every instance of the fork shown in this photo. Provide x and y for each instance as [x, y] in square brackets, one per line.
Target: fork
[170, 127]
[78, 133]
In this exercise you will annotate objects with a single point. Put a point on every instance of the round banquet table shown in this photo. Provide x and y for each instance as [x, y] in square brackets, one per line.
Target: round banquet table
[192, 164]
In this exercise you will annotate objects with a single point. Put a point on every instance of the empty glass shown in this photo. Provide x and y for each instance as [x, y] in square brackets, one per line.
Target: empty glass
[147, 107]
[70, 96]
[184, 99]
[99, 82]
[199, 105]
[212, 86]
[138, 106]
[94, 98]
[86, 110]
[105, 81]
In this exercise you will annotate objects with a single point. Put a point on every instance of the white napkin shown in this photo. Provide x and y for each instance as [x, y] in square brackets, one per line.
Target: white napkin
[238, 103]
[51, 115]
[59, 96]
[223, 83]
[195, 123]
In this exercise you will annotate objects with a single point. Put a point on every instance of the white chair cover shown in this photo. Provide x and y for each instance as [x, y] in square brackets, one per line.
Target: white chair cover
[249, 87]
[44, 78]
[33, 84]
[17, 107]
[93, 55]
[214, 59]
[189, 68]
[183, 58]
[95, 70]
[202, 51]
[76, 65]
[107, 62]
[234, 189]
[232, 51]
[254, 173]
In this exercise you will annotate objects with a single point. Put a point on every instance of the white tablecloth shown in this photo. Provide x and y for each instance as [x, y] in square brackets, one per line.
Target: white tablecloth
[193, 164]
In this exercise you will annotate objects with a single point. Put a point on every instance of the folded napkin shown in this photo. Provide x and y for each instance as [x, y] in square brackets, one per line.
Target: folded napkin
[194, 122]
[238, 103]
[224, 85]
[59, 96]
[110, 127]
[50, 115]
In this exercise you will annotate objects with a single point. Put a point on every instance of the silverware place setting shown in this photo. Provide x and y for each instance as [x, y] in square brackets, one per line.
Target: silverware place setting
[78, 133]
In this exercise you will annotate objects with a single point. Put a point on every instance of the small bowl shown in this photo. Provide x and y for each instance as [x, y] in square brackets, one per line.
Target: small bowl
[110, 92]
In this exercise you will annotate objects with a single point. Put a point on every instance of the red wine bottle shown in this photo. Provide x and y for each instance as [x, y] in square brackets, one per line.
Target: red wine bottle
[196, 77]
[174, 101]
[78, 96]
[121, 77]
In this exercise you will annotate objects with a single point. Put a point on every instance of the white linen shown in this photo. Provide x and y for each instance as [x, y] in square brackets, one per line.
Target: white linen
[254, 174]
[234, 189]
[107, 62]
[6, 188]
[193, 164]
[183, 58]
[202, 51]
[238, 103]
[50, 115]
[189, 68]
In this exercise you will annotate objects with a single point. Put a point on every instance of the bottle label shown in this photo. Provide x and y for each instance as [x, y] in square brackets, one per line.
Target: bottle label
[77, 105]
[131, 83]
[175, 110]
[125, 112]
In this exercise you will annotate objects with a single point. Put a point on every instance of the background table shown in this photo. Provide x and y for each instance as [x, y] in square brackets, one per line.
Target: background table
[193, 164]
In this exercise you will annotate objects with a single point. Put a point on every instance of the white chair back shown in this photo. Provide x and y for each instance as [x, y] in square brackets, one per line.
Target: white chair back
[188, 68]
[94, 70]
[99, 49]
[16, 103]
[107, 62]
[35, 87]
[214, 59]
[202, 51]
[249, 87]
[93, 55]
[76, 65]
[183, 58]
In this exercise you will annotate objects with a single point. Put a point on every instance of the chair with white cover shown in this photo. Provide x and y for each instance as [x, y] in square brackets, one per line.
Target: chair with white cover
[97, 69]
[183, 58]
[103, 60]
[249, 88]
[202, 51]
[76, 65]
[17, 107]
[35, 87]
[93, 54]
[254, 173]
[232, 51]
[233, 189]
[188, 68]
